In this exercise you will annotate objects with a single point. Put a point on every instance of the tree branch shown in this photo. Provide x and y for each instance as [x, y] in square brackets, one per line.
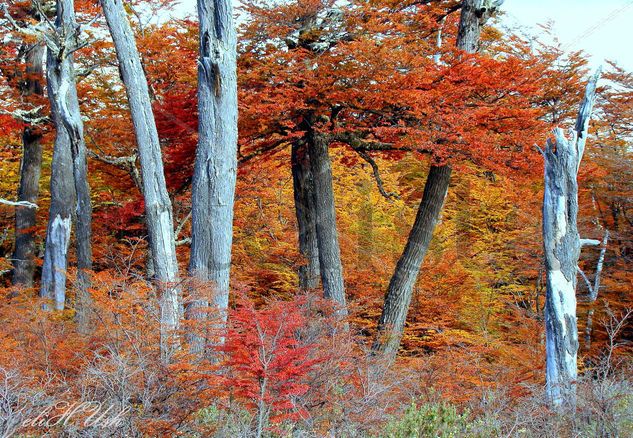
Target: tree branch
[18, 203]
[388, 195]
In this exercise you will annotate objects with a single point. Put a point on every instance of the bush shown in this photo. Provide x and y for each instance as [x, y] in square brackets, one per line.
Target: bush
[429, 420]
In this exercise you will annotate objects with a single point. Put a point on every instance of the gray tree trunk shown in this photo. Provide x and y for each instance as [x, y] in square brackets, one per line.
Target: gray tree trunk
[158, 211]
[303, 185]
[69, 175]
[215, 170]
[62, 91]
[30, 168]
[474, 15]
[325, 220]
[562, 244]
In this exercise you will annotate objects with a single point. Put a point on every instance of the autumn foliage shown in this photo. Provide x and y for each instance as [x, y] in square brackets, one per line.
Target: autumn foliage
[369, 75]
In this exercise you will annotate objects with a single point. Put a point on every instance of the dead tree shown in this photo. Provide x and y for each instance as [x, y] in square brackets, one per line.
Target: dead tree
[158, 210]
[69, 180]
[562, 245]
[215, 170]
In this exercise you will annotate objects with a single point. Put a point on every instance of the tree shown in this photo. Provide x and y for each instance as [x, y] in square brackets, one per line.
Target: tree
[562, 244]
[474, 14]
[268, 361]
[157, 203]
[30, 86]
[215, 170]
[69, 167]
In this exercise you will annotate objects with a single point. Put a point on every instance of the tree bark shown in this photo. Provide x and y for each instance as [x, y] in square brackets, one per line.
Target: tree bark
[400, 291]
[561, 244]
[474, 15]
[158, 210]
[325, 221]
[303, 185]
[215, 170]
[30, 169]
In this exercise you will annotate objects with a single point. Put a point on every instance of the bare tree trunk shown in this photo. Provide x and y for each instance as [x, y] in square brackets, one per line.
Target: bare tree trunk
[215, 171]
[53, 284]
[158, 211]
[303, 185]
[327, 235]
[562, 244]
[30, 168]
[474, 15]
[62, 92]
[400, 291]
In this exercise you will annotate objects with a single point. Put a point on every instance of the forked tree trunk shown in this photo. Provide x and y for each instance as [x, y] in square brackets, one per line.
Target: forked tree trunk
[69, 143]
[562, 245]
[399, 293]
[62, 92]
[303, 185]
[30, 168]
[327, 235]
[215, 170]
[158, 211]
[474, 15]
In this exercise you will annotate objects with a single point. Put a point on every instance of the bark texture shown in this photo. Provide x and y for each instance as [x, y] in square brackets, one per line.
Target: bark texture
[562, 245]
[158, 211]
[215, 170]
[303, 185]
[327, 235]
[400, 291]
[24, 253]
[474, 15]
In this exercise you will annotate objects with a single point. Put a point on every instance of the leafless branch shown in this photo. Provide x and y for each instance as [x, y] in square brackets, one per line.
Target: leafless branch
[388, 195]
[18, 203]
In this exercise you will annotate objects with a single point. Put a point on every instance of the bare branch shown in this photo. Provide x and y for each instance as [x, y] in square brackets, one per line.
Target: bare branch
[18, 203]
[388, 195]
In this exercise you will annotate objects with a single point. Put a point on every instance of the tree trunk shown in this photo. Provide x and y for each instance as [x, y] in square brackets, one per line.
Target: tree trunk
[62, 92]
[562, 244]
[474, 15]
[215, 170]
[325, 221]
[303, 185]
[53, 285]
[400, 291]
[158, 211]
[30, 168]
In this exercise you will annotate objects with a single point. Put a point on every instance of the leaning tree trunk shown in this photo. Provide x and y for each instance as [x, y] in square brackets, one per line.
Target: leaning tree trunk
[158, 211]
[325, 221]
[30, 168]
[474, 15]
[62, 92]
[562, 244]
[215, 170]
[399, 293]
[303, 185]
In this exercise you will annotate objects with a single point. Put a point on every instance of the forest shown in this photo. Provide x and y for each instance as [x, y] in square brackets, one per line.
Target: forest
[310, 218]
